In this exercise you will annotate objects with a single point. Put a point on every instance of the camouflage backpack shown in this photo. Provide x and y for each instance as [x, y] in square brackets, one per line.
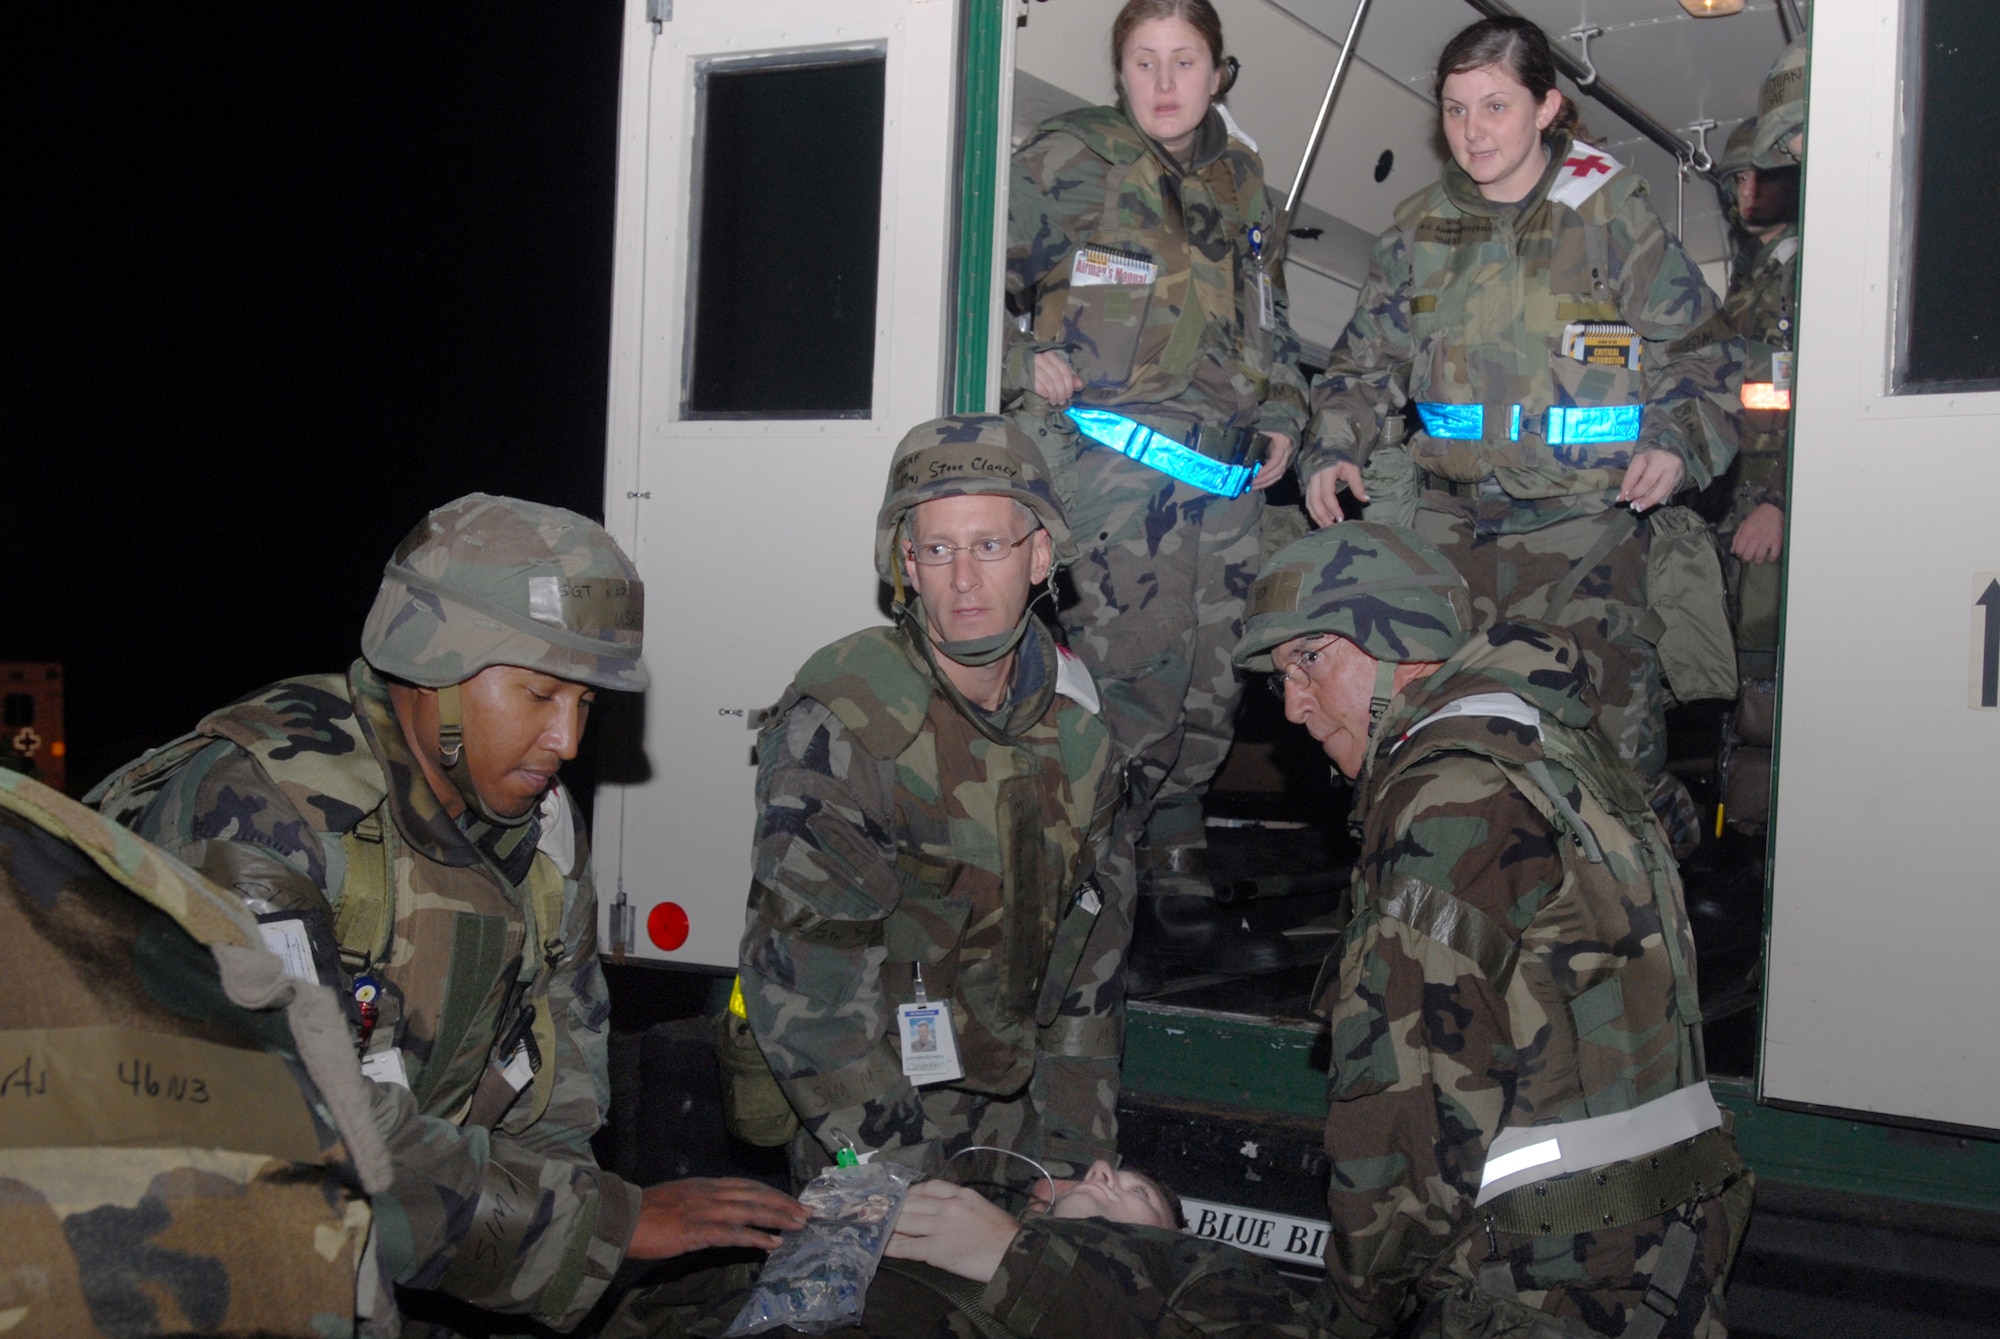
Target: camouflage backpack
[187, 1143]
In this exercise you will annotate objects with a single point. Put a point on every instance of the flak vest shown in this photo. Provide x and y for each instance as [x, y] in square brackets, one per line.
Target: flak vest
[993, 840]
[460, 954]
[1168, 257]
[1609, 840]
[1764, 313]
[187, 1140]
[1514, 313]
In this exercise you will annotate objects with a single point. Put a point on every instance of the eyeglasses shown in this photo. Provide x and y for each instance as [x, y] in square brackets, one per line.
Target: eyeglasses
[985, 550]
[1300, 671]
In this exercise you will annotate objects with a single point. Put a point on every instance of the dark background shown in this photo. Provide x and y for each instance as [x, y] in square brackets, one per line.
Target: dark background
[1954, 317]
[284, 278]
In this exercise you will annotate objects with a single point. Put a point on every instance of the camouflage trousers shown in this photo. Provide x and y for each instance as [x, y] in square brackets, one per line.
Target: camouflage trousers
[1513, 576]
[1160, 589]
[1753, 587]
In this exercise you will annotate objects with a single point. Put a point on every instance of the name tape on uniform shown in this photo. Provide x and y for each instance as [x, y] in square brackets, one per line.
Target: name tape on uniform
[1276, 1236]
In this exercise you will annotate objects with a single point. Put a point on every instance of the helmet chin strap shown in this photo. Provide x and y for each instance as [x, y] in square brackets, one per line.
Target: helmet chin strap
[1378, 700]
[451, 751]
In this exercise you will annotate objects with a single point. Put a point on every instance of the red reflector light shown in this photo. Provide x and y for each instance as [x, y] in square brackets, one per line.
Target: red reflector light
[1764, 395]
[667, 926]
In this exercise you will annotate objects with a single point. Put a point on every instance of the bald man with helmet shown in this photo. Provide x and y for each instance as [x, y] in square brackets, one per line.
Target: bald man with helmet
[932, 799]
[401, 828]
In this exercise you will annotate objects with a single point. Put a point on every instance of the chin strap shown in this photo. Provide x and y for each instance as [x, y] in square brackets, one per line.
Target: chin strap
[1385, 692]
[978, 650]
[451, 752]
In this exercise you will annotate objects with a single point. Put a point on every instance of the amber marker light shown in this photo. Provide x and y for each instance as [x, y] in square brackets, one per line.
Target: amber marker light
[1712, 9]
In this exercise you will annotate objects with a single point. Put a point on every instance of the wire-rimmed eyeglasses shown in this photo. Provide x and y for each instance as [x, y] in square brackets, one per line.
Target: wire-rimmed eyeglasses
[1300, 671]
[989, 550]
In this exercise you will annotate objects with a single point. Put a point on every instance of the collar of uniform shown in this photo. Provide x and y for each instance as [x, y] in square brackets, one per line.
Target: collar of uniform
[1464, 193]
[1540, 664]
[419, 814]
[1030, 688]
[1767, 248]
[1211, 139]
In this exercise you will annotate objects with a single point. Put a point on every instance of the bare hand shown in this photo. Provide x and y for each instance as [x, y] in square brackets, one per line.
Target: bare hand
[1322, 492]
[1276, 461]
[1761, 537]
[953, 1228]
[1651, 479]
[1055, 379]
[676, 1217]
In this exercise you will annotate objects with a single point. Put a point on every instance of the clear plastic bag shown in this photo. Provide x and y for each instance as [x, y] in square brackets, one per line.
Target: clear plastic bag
[819, 1277]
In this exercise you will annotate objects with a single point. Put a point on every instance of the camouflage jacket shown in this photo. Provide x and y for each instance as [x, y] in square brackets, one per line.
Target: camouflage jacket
[1144, 273]
[1763, 309]
[1494, 975]
[269, 796]
[1469, 302]
[187, 1141]
[896, 831]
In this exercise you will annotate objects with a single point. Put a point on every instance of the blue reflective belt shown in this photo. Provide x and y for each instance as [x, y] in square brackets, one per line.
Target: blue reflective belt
[1563, 426]
[1158, 451]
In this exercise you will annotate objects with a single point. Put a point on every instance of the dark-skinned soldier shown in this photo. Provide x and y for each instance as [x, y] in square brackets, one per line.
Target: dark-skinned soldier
[406, 816]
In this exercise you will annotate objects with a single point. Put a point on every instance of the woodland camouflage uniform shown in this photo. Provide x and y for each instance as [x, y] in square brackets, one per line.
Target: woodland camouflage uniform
[1466, 303]
[1519, 955]
[186, 1143]
[1165, 565]
[1764, 311]
[899, 826]
[307, 790]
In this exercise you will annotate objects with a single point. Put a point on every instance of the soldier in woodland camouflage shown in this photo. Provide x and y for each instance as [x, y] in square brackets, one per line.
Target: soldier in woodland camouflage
[1571, 373]
[1517, 983]
[1763, 310]
[1144, 250]
[931, 800]
[405, 816]
[187, 1144]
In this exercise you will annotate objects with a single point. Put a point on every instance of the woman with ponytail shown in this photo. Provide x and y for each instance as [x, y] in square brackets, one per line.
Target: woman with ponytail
[1160, 378]
[1570, 373]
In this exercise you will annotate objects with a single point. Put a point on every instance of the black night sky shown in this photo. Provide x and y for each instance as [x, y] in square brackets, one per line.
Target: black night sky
[284, 278]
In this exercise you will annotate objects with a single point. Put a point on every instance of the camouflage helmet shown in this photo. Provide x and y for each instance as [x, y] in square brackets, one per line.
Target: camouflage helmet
[1736, 151]
[497, 581]
[1384, 588]
[967, 454]
[1781, 109]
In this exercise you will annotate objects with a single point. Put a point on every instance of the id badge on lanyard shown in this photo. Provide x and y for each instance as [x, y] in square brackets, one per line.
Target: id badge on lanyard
[930, 1047]
[1267, 296]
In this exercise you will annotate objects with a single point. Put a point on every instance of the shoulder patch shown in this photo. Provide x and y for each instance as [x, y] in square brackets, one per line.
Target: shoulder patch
[1584, 173]
[868, 683]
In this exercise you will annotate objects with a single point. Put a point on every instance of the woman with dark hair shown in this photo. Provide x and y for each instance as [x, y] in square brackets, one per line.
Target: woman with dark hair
[1571, 375]
[1162, 380]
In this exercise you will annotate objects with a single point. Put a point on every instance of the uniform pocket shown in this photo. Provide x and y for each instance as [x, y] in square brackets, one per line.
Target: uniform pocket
[1362, 1059]
[1104, 315]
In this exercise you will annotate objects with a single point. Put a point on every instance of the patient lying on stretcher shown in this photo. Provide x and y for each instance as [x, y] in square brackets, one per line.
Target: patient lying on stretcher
[948, 1243]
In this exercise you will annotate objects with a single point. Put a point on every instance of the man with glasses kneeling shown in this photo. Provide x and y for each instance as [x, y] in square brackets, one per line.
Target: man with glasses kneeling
[927, 967]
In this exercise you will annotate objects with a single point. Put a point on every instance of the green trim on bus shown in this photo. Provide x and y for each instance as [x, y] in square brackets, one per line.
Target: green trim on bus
[1279, 1067]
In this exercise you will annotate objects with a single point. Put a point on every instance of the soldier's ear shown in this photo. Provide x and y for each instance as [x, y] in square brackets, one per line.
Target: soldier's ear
[1042, 549]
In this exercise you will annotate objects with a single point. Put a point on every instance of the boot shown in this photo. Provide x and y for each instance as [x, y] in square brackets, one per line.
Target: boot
[1184, 934]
